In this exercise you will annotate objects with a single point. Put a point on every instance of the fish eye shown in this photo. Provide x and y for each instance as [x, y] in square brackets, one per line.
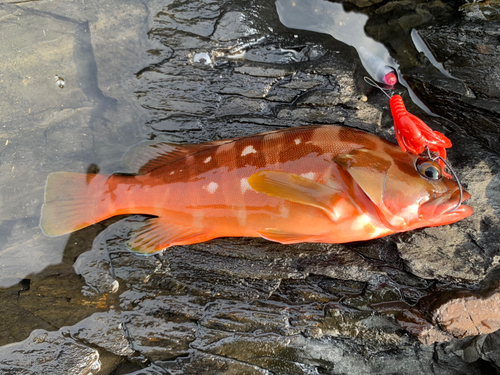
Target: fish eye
[429, 169]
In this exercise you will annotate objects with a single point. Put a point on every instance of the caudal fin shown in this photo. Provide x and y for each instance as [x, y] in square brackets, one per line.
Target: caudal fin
[73, 201]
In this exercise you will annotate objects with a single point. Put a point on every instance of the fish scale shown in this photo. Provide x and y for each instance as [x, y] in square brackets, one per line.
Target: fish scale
[308, 184]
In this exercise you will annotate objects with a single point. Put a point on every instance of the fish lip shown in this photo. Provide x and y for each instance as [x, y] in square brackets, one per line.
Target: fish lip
[455, 198]
[452, 204]
[454, 215]
[441, 211]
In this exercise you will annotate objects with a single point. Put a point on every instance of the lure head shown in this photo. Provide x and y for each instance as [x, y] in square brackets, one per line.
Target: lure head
[390, 79]
[377, 67]
[408, 191]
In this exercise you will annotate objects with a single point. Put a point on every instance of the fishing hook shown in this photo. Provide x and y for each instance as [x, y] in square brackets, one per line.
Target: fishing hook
[371, 82]
[454, 176]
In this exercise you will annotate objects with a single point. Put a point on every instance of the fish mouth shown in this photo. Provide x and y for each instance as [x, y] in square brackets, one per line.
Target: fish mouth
[443, 210]
[455, 203]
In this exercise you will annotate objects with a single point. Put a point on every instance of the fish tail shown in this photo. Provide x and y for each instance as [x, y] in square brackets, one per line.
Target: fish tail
[73, 201]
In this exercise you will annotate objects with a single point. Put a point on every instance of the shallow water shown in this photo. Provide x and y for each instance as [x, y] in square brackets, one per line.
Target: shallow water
[331, 18]
[84, 81]
[48, 126]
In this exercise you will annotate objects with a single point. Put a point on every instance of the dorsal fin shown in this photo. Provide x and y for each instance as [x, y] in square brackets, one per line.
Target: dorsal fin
[149, 155]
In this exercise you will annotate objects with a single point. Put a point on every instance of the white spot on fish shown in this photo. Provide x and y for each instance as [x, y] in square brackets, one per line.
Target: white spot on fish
[211, 187]
[248, 150]
[297, 141]
[207, 159]
[309, 175]
[244, 185]
[242, 217]
[198, 218]
[377, 231]
[284, 211]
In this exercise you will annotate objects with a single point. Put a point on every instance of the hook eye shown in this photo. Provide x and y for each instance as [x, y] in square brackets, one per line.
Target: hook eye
[371, 82]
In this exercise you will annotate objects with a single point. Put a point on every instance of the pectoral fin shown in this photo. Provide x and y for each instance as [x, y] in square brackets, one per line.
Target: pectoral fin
[295, 188]
[157, 234]
[286, 238]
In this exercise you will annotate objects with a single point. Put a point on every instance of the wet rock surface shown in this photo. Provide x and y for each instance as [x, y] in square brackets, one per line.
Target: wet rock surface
[423, 302]
[48, 352]
[473, 98]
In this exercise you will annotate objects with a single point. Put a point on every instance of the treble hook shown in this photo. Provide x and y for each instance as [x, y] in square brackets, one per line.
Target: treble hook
[452, 172]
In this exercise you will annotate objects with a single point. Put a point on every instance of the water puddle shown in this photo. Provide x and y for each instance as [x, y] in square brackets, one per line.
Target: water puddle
[62, 109]
[348, 27]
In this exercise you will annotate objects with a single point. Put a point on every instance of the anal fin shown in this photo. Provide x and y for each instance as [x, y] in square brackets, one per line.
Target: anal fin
[157, 234]
[286, 238]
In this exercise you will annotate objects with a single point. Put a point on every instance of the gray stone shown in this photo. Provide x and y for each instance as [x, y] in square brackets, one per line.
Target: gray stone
[48, 352]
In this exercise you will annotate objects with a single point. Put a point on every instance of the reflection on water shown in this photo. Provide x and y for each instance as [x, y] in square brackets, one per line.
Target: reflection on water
[348, 27]
[331, 18]
[422, 47]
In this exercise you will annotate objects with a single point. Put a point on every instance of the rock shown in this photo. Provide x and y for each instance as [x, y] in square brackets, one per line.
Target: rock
[90, 331]
[48, 352]
[470, 316]
[364, 3]
[474, 100]
[482, 11]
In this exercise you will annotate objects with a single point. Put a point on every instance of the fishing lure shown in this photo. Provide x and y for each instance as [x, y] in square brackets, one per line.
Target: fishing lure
[377, 67]
[414, 135]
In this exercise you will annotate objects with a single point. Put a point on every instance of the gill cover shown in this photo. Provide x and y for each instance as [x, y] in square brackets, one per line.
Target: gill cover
[391, 182]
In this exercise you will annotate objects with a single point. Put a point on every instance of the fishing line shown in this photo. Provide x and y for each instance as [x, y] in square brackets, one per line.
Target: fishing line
[452, 172]
[371, 82]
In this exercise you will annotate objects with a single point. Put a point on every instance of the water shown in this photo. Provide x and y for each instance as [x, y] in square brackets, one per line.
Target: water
[331, 18]
[67, 102]
[348, 27]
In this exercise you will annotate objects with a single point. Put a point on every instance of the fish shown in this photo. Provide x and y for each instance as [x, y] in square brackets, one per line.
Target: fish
[323, 184]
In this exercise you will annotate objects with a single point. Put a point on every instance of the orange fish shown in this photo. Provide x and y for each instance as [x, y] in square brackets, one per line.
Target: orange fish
[309, 184]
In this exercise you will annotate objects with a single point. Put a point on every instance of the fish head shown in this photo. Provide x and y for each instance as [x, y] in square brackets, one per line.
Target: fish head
[407, 190]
